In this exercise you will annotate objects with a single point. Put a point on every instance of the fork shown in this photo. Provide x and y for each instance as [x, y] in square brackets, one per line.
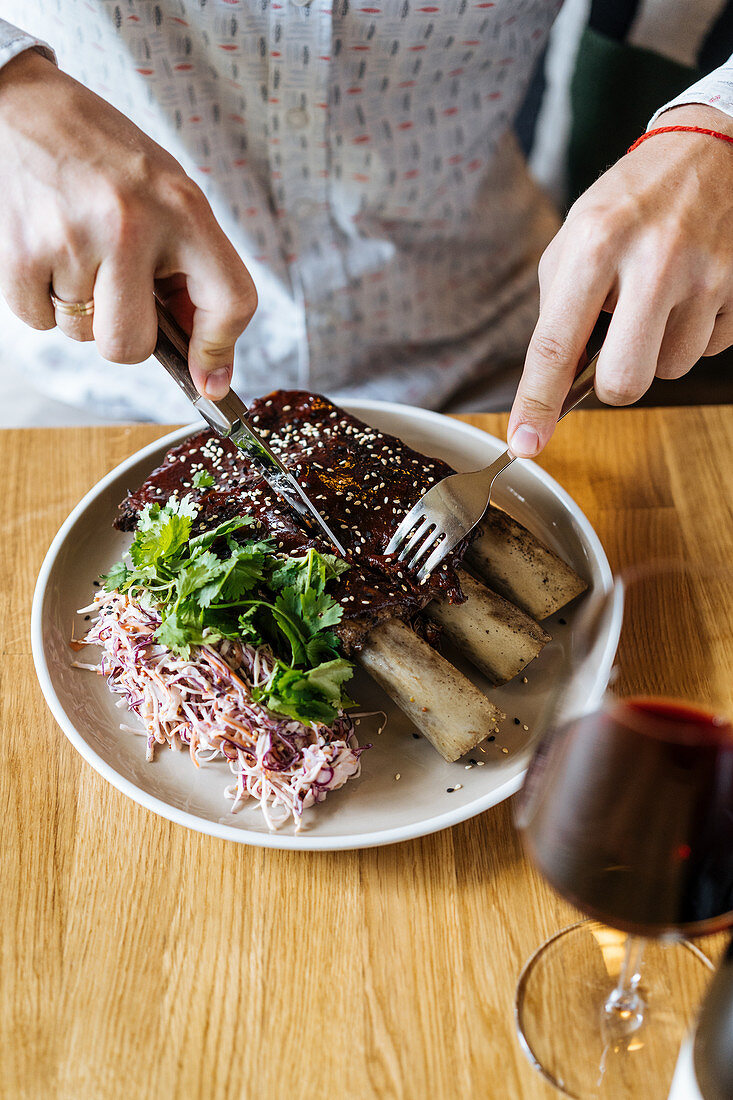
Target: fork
[453, 507]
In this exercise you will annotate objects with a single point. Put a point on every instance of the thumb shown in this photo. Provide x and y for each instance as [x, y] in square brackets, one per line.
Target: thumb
[213, 336]
[210, 356]
[216, 305]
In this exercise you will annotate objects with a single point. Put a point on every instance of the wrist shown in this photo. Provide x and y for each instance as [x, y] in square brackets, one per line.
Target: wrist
[696, 114]
[25, 68]
[25, 84]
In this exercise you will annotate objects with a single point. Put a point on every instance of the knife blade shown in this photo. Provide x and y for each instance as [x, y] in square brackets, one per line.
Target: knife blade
[230, 419]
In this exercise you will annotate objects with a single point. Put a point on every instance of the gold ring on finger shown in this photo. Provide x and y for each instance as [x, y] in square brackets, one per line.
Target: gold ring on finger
[73, 309]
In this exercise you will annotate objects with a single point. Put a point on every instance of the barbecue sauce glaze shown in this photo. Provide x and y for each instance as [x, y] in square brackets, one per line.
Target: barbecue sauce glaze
[362, 480]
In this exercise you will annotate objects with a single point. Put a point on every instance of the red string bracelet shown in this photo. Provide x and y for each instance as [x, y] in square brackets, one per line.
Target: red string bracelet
[679, 130]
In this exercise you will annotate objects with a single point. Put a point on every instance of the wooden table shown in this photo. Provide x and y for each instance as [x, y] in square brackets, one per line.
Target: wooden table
[143, 960]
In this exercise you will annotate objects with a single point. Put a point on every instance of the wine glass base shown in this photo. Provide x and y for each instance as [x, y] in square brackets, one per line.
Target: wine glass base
[559, 1012]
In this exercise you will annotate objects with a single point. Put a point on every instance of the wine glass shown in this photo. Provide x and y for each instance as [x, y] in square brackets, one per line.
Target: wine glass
[627, 811]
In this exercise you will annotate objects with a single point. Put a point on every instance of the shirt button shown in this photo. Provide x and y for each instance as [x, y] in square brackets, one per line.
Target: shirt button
[297, 117]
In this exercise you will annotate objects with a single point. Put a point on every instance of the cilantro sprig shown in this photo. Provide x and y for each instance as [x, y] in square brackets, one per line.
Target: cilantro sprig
[212, 586]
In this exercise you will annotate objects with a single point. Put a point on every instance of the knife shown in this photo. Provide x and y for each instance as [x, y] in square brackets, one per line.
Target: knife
[229, 418]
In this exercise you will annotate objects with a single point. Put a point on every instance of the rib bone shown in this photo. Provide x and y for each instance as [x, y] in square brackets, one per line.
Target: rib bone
[521, 568]
[443, 703]
[497, 637]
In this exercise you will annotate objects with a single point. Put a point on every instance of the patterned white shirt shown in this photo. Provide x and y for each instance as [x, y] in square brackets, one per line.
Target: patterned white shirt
[358, 153]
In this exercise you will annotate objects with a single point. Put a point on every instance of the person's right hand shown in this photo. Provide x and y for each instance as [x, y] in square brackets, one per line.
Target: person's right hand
[92, 208]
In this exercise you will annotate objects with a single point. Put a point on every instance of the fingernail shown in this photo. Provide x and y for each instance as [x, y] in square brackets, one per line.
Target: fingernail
[217, 383]
[524, 442]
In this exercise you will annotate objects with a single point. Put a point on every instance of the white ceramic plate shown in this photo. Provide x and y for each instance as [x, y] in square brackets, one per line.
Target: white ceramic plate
[376, 808]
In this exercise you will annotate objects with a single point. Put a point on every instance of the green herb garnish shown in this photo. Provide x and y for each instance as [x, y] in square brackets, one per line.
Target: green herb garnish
[213, 586]
[202, 479]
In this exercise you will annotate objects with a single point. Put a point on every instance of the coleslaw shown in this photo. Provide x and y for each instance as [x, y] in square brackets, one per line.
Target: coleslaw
[204, 701]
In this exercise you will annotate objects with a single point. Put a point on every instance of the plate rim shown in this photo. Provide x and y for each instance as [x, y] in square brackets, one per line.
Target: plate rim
[275, 840]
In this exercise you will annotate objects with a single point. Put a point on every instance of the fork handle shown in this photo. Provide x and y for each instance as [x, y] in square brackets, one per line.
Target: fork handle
[581, 387]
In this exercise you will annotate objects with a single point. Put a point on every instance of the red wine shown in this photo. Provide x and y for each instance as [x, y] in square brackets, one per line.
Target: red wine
[628, 813]
[713, 1049]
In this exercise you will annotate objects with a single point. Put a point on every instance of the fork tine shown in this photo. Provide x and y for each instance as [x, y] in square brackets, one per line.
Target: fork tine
[427, 543]
[439, 553]
[415, 514]
[423, 529]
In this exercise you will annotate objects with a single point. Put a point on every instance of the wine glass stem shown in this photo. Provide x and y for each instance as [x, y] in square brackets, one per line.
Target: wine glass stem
[623, 1011]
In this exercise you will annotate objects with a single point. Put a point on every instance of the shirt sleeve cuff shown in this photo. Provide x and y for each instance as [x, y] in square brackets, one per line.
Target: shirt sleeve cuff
[14, 41]
[714, 90]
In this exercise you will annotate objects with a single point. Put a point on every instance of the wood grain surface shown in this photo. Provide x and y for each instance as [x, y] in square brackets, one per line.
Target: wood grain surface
[143, 960]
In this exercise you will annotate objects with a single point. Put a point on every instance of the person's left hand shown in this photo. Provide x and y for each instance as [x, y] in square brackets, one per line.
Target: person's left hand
[652, 242]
